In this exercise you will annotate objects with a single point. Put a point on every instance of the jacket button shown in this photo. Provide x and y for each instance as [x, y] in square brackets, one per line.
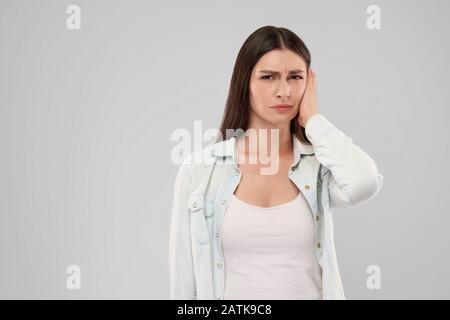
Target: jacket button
[219, 265]
[317, 217]
[224, 201]
[318, 245]
[194, 205]
[306, 187]
[217, 235]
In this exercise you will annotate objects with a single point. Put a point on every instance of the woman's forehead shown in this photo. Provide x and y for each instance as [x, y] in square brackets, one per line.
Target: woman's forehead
[280, 61]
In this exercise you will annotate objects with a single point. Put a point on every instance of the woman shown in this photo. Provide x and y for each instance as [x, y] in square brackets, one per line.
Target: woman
[263, 229]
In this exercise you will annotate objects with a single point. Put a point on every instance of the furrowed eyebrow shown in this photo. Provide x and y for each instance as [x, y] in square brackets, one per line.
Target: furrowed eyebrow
[277, 73]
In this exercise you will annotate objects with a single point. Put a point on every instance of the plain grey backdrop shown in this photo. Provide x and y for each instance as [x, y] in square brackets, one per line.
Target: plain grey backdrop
[86, 118]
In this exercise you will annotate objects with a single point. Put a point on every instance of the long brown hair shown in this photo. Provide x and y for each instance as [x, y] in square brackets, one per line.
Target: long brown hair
[261, 41]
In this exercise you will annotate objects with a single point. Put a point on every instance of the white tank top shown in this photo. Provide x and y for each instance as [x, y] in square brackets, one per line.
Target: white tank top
[269, 251]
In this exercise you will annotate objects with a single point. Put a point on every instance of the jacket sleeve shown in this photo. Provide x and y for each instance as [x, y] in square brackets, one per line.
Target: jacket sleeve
[354, 175]
[181, 270]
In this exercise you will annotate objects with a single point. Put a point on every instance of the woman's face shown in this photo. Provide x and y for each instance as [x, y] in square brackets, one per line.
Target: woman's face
[278, 77]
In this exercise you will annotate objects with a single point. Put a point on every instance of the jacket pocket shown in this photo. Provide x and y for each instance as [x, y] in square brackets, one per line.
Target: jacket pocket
[201, 212]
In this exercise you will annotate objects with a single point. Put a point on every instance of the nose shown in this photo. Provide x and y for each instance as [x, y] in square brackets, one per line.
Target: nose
[284, 89]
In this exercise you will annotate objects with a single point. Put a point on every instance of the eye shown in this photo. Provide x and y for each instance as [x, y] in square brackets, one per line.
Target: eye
[266, 77]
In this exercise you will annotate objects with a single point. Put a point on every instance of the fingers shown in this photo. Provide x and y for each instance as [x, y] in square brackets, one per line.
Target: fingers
[312, 78]
[310, 82]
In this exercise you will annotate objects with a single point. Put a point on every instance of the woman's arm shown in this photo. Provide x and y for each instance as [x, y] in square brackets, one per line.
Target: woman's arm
[182, 279]
[354, 175]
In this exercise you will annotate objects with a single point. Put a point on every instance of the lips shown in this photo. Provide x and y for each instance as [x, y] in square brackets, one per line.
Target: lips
[281, 107]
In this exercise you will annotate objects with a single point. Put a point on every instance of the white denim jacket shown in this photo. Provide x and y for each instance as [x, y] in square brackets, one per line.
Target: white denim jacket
[207, 178]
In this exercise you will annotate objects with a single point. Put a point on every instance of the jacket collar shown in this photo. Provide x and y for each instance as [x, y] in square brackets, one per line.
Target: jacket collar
[227, 148]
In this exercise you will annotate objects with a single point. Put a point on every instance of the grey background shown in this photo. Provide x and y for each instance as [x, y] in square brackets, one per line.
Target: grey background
[86, 118]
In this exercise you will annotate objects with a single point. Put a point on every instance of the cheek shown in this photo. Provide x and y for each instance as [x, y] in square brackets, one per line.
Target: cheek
[260, 95]
[302, 86]
[302, 89]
